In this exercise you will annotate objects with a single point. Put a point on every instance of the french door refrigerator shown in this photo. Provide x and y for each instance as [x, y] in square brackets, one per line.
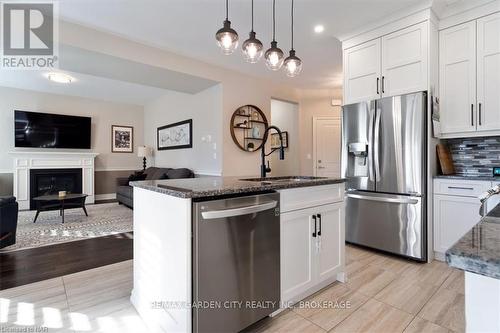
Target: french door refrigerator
[384, 161]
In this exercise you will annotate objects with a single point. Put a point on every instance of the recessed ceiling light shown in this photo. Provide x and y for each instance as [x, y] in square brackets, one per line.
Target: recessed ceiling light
[319, 28]
[59, 77]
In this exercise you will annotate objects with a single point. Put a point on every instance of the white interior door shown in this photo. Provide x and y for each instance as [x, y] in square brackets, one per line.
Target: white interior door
[488, 72]
[457, 78]
[327, 146]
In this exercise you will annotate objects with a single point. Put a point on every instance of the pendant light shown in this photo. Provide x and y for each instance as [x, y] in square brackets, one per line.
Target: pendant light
[227, 38]
[293, 64]
[252, 48]
[274, 56]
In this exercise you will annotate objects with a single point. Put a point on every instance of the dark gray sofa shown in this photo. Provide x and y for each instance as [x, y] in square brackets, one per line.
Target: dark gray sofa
[125, 193]
[8, 221]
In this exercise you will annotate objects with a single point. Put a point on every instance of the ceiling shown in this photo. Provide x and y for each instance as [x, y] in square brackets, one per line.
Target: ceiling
[187, 27]
[83, 85]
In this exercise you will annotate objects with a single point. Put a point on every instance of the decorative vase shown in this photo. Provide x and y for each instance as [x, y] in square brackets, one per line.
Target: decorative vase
[256, 132]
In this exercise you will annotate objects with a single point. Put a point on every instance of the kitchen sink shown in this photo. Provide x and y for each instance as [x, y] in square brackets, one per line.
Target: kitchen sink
[278, 180]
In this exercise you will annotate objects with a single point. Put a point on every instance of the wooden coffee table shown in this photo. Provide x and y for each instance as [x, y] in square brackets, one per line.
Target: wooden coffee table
[55, 202]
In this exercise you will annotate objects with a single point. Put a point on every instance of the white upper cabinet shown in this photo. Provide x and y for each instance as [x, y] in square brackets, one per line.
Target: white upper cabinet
[394, 64]
[469, 78]
[457, 78]
[404, 61]
[362, 72]
[488, 73]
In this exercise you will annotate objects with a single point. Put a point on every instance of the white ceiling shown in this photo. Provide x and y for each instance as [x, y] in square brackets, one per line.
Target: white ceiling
[188, 27]
[83, 85]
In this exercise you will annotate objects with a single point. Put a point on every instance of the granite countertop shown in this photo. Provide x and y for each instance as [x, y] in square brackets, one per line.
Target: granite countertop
[478, 251]
[217, 186]
[475, 178]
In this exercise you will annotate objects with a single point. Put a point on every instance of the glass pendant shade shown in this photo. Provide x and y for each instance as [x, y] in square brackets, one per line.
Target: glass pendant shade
[252, 49]
[227, 38]
[292, 65]
[274, 57]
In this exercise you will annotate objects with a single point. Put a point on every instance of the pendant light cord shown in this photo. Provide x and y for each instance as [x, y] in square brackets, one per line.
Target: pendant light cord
[274, 20]
[252, 15]
[227, 10]
[292, 25]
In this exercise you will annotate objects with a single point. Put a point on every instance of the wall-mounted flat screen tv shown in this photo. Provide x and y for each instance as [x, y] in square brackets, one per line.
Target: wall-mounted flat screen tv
[46, 130]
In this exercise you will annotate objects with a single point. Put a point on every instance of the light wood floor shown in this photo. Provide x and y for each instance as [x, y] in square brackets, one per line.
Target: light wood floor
[383, 294]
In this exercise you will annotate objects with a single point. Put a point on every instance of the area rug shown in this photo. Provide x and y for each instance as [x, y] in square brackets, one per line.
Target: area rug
[103, 220]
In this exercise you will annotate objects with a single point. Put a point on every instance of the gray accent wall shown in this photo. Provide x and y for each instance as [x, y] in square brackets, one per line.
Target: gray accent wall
[6, 183]
[475, 156]
[105, 181]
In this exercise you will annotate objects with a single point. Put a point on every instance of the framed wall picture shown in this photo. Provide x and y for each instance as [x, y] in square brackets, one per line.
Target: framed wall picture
[175, 136]
[122, 139]
[275, 140]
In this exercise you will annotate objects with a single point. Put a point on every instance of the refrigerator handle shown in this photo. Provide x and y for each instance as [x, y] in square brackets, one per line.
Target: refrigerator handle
[376, 145]
[371, 175]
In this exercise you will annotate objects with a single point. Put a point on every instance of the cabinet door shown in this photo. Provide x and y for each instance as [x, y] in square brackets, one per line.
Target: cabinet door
[488, 73]
[404, 61]
[453, 217]
[298, 252]
[331, 241]
[457, 78]
[362, 72]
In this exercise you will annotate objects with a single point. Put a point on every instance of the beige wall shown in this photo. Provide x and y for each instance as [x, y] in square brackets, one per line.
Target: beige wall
[237, 89]
[285, 116]
[313, 104]
[205, 109]
[104, 114]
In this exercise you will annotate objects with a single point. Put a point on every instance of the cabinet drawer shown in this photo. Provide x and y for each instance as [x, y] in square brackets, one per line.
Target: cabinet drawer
[464, 188]
[305, 197]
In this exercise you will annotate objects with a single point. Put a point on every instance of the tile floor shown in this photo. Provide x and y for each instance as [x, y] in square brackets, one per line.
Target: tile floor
[384, 294]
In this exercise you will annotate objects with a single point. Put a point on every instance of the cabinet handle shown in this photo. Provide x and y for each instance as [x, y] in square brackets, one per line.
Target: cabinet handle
[460, 188]
[315, 226]
[319, 218]
[480, 116]
[378, 80]
[383, 84]
[472, 114]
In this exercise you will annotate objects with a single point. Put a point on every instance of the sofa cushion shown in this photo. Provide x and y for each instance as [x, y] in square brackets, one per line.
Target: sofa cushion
[4, 200]
[155, 173]
[125, 190]
[179, 173]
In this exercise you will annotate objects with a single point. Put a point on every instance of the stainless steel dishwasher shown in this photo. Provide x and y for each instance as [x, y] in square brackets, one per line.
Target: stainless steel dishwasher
[236, 262]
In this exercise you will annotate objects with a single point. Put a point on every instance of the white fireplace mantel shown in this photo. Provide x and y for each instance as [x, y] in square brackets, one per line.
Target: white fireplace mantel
[24, 161]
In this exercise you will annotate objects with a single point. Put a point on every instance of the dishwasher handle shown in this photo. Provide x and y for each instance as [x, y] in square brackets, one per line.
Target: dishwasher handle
[218, 214]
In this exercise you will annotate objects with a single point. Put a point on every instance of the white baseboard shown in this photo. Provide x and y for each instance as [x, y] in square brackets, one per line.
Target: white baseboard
[109, 196]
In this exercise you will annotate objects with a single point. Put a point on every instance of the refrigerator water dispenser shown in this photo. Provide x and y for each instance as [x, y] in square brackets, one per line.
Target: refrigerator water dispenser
[358, 154]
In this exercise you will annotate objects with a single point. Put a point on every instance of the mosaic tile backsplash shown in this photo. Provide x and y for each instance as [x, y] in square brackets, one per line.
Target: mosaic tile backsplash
[475, 156]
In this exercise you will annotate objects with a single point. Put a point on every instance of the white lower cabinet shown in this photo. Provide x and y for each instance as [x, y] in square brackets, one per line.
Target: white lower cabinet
[453, 217]
[312, 247]
[456, 211]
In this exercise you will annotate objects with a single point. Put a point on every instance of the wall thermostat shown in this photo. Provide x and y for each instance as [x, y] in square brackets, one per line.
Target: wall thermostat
[496, 171]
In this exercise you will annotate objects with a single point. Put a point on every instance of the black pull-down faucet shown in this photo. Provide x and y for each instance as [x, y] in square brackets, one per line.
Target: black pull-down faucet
[263, 168]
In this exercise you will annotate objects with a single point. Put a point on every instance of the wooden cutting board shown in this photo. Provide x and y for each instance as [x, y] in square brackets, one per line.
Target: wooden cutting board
[445, 160]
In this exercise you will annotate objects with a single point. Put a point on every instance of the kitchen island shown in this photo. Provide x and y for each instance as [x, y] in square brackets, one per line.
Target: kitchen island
[310, 242]
[478, 254]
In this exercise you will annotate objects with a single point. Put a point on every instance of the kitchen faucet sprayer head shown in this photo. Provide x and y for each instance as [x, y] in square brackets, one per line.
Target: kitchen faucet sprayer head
[282, 153]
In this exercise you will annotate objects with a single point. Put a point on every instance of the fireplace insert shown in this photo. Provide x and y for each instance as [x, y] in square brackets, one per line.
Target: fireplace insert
[51, 181]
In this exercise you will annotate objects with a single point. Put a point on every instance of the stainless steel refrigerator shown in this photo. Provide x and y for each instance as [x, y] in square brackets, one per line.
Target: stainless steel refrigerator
[384, 158]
